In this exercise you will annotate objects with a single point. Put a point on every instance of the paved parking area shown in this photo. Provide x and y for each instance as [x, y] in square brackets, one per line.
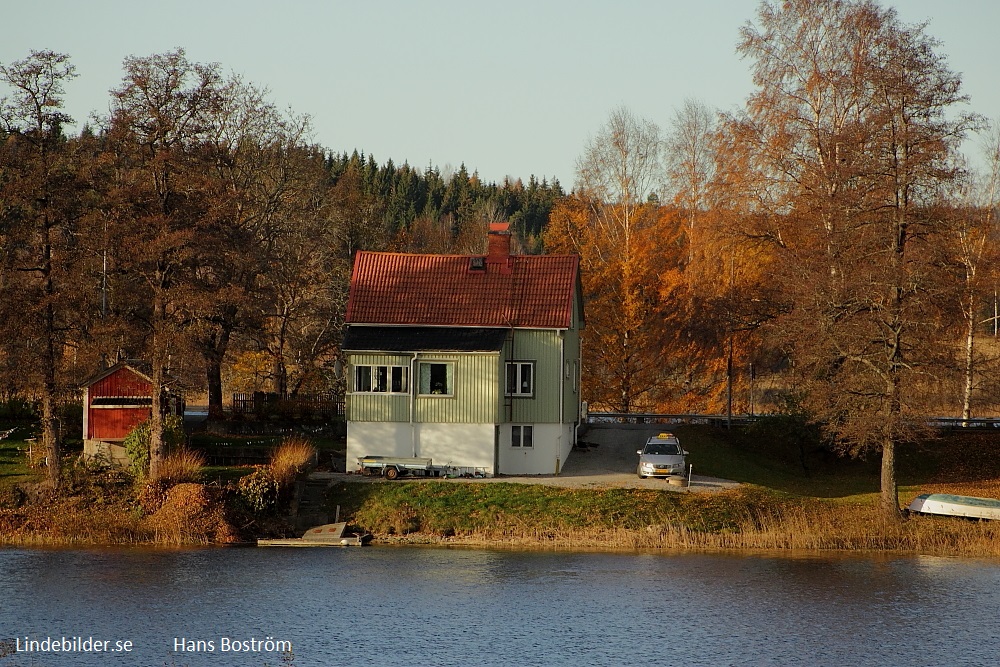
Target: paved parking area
[607, 458]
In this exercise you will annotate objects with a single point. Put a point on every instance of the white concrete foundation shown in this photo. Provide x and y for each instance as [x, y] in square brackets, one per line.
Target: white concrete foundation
[459, 445]
[470, 447]
[551, 444]
[103, 450]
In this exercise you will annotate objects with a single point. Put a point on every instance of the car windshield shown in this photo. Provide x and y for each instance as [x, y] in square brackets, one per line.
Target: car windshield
[662, 448]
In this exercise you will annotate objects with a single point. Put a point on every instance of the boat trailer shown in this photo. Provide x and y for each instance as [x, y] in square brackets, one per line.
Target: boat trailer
[393, 467]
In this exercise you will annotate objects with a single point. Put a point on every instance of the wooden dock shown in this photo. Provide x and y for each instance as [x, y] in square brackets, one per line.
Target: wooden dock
[327, 535]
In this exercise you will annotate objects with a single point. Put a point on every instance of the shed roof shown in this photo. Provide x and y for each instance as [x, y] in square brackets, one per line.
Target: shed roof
[141, 368]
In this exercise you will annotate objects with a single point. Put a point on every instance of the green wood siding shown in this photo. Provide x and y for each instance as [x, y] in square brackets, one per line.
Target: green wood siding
[376, 407]
[474, 397]
[541, 346]
[478, 395]
[571, 393]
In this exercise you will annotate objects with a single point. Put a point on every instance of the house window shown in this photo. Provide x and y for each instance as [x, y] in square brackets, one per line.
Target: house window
[437, 379]
[520, 436]
[380, 379]
[520, 378]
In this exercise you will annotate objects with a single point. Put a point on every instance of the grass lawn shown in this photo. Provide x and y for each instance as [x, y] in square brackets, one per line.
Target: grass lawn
[14, 466]
[964, 462]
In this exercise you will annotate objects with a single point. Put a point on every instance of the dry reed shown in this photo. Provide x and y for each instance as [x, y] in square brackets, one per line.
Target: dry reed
[190, 515]
[809, 527]
[72, 522]
[181, 466]
[294, 456]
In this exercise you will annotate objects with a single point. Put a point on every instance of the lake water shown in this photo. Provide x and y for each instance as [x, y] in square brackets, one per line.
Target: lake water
[470, 607]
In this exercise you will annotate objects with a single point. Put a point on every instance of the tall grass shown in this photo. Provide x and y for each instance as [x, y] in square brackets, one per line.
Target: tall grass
[72, 522]
[294, 455]
[181, 466]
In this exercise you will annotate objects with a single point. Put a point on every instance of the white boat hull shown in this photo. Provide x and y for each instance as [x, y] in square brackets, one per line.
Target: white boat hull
[944, 504]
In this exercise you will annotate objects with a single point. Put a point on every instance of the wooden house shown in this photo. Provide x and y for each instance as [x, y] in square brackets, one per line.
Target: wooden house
[472, 361]
[115, 401]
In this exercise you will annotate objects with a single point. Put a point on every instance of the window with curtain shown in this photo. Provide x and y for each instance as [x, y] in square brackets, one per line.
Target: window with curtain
[436, 378]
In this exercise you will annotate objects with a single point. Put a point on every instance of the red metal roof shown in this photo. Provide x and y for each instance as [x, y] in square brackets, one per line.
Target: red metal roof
[532, 291]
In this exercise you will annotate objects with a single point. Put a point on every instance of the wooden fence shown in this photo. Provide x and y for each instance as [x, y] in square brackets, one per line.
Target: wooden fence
[261, 403]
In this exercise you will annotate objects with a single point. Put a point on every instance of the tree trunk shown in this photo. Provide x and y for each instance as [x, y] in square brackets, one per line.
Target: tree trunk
[213, 378]
[156, 445]
[890, 491]
[279, 372]
[50, 431]
[213, 352]
[970, 346]
[50, 441]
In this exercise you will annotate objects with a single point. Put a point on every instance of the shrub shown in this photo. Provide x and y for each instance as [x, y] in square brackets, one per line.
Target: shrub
[137, 442]
[294, 456]
[259, 489]
[191, 514]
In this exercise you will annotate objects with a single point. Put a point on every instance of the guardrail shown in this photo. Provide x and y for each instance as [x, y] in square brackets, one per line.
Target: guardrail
[743, 419]
[658, 418]
[958, 422]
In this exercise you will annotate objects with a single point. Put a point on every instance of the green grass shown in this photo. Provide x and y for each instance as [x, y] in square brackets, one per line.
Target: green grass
[448, 508]
[767, 459]
[718, 454]
[14, 466]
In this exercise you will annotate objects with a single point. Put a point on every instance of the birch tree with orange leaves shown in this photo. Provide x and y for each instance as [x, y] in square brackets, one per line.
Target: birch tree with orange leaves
[626, 366]
[837, 159]
[974, 249]
[612, 223]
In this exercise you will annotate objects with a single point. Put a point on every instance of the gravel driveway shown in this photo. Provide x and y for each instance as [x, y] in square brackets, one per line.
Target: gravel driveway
[606, 459]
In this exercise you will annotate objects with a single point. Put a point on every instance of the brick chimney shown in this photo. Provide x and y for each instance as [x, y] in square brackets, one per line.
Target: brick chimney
[498, 252]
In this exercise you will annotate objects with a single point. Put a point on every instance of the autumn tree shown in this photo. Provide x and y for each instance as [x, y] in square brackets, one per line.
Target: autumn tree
[690, 161]
[40, 209]
[158, 128]
[304, 291]
[838, 158]
[260, 175]
[611, 223]
[971, 209]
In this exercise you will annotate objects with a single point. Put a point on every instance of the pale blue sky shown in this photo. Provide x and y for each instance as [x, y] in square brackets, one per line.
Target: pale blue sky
[511, 88]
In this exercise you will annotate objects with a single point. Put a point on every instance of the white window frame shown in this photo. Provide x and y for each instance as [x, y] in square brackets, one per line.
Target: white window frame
[426, 390]
[386, 371]
[518, 367]
[521, 434]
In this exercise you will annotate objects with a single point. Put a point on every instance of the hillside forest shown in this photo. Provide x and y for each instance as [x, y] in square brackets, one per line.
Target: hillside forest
[825, 251]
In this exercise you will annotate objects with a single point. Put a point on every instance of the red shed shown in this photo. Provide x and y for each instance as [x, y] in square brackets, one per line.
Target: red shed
[115, 401]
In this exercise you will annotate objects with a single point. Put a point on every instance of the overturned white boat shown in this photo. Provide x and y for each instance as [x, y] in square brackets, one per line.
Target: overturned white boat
[945, 504]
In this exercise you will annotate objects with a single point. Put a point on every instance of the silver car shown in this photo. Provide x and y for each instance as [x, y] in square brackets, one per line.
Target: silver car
[662, 456]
